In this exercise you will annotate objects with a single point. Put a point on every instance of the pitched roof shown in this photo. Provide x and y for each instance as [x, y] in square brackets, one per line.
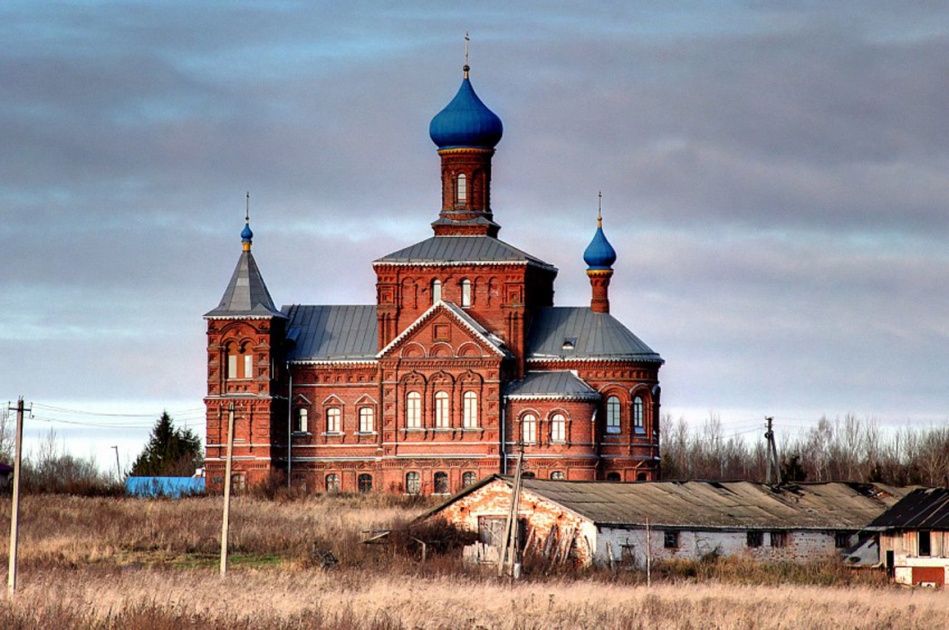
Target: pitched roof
[332, 333]
[705, 505]
[924, 508]
[576, 332]
[464, 318]
[559, 385]
[460, 249]
[246, 294]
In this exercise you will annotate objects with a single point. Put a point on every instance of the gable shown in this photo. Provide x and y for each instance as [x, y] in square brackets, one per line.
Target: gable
[444, 331]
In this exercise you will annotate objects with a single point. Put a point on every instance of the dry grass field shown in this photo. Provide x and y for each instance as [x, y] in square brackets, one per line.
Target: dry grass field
[124, 563]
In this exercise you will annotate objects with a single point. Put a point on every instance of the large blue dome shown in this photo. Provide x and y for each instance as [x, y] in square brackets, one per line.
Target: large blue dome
[466, 122]
[599, 253]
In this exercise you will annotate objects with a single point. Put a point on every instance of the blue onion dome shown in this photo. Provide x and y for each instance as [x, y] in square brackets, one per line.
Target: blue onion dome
[599, 253]
[246, 234]
[466, 122]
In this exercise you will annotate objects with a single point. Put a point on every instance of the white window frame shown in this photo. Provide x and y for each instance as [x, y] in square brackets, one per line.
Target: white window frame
[461, 189]
[367, 420]
[529, 429]
[558, 427]
[413, 410]
[436, 290]
[442, 410]
[470, 410]
[303, 416]
[466, 293]
[639, 407]
[334, 420]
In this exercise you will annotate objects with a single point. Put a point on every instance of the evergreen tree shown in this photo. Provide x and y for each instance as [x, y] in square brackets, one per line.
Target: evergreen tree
[170, 452]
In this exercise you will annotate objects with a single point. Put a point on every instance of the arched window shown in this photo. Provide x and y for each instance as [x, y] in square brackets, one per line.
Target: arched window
[240, 361]
[462, 189]
[367, 419]
[471, 410]
[558, 428]
[466, 293]
[529, 429]
[612, 415]
[302, 424]
[413, 483]
[442, 411]
[334, 420]
[638, 414]
[468, 479]
[332, 483]
[441, 483]
[557, 476]
[413, 410]
[365, 483]
[613, 476]
[641, 477]
[436, 290]
[528, 475]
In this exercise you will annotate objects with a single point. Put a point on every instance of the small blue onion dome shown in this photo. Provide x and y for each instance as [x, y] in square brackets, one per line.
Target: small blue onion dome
[466, 122]
[599, 253]
[246, 234]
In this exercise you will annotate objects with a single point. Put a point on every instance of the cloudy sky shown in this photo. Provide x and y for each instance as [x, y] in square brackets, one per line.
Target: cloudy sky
[775, 178]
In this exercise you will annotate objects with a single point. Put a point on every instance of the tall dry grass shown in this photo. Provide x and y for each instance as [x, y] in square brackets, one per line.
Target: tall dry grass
[131, 563]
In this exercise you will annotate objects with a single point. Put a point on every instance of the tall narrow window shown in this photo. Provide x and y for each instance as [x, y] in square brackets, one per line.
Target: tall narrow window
[413, 410]
[302, 424]
[529, 429]
[612, 415]
[366, 420]
[332, 483]
[466, 292]
[462, 190]
[638, 414]
[365, 483]
[248, 365]
[441, 483]
[436, 290]
[471, 410]
[333, 423]
[413, 483]
[442, 411]
[558, 428]
[231, 366]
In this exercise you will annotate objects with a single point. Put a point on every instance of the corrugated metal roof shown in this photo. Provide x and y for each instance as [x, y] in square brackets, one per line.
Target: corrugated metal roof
[332, 333]
[925, 508]
[246, 294]
[558, 384]
[711, 504]
[590, 336]
[458, 249]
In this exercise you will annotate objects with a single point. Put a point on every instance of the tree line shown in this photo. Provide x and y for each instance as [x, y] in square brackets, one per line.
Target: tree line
[842, 449]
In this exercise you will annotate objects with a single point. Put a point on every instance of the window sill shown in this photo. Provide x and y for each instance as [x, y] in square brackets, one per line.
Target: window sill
[301, 433]
[471, 429]
[366, 433]
[332, 433]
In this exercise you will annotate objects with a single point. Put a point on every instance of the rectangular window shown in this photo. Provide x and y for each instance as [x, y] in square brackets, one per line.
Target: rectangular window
[232, 366]
[558, 428]
[333, 423]
[471, 410]
[779, 539]
[302, 425]
[248, 366]
[670, 540]
[413, 410]
[441, 483]
[925, 543]
[442, 412]
[529, 429]
[638, 414]
[612, 415]
[755, 539]
[366, 420]
[841, 540]
[413, 483]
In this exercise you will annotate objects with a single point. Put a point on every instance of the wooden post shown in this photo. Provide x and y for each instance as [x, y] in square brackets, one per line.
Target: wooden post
[15, 512]
[648, 555]
[510, 530]
[227, 487]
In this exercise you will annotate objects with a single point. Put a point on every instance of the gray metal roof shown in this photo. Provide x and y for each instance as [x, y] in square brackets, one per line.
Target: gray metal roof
[557, 384]
[460, 249]
[576, 332]
[246, 294]
[712, 505]
[332, 333]
[924, 508]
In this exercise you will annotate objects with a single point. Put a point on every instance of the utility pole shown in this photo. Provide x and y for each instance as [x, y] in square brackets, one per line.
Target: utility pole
[509, 550]
[15, 512]
[227, 487]
[289, 427]
[772, 453]
[118, 466]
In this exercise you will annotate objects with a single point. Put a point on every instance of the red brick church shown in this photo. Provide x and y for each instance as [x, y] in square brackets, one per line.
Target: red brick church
[462, 361]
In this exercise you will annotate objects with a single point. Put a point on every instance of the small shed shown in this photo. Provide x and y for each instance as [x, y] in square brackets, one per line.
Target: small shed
[606, 523]
[914, 538]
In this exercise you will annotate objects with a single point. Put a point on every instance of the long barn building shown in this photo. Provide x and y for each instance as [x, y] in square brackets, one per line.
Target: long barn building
[462, 361]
